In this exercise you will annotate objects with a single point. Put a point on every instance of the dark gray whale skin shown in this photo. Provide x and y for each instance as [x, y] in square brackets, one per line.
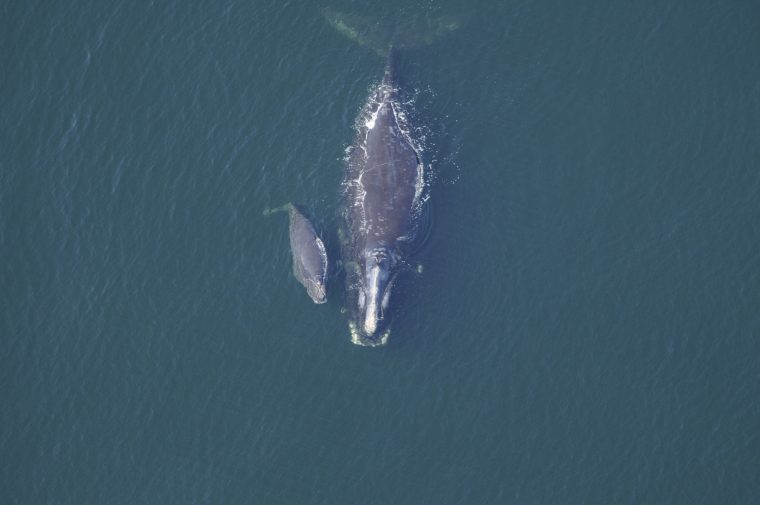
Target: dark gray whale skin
[309, 255]
[384, 180]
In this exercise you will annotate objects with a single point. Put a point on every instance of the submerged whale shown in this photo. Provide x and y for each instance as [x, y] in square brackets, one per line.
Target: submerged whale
[383, 199]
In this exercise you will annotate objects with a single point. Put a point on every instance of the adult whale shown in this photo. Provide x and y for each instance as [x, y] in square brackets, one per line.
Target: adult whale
[383, 199]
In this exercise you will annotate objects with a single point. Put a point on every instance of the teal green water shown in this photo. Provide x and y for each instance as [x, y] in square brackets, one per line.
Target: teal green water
[586, 327]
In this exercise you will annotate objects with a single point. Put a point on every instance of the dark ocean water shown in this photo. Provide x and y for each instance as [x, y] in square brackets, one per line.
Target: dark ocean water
[586, 328]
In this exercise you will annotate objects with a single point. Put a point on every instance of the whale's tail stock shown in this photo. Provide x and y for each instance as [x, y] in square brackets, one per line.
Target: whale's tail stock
[381, 37]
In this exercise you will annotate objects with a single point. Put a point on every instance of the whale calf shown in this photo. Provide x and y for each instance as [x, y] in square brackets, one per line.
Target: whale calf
[382, 196]
[309, 255]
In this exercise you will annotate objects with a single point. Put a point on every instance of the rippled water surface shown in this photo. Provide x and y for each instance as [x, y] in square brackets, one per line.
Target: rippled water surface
[585, 328]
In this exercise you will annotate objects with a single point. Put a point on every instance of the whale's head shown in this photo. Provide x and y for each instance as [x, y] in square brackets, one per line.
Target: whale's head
[378, 275]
